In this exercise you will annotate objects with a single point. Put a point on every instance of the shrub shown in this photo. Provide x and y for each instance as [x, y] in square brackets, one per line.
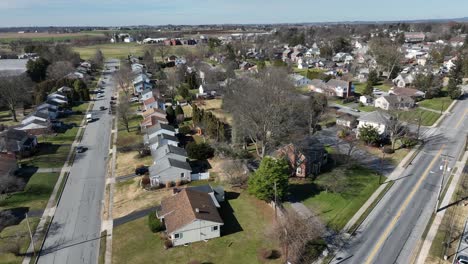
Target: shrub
[200, 151]
[185, 130]
[155, 225]
[388, 150]
[409, 142]
[167, 244]
[341, 133]
[145, 180]
[330, 123]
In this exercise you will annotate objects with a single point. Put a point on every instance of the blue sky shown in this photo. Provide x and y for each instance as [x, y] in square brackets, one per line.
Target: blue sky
[157, 12]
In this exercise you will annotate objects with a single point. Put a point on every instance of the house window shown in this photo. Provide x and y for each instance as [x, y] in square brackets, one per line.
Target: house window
[182, 175]
[299, 170]
[178, 235]
[214, 228]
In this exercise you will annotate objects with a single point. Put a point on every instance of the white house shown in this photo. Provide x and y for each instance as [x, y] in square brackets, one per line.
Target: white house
[157, 130]
[366, 100]
[403, 79]
[161, 140]
[190, 216]
[376, 119]
[146, 94]
[169, 170]
[394, 102]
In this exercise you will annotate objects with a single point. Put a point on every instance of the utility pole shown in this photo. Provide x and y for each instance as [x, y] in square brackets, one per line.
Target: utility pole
[381, 166]
[30, 234]
[276, 213]
[444, 168]
[419, 125]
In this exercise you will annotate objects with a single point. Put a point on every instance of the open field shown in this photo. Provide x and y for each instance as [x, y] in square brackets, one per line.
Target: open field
[245, 222]
[336, 208]
[127, 162]
[8, 37]
[428, 118]
[122, 50]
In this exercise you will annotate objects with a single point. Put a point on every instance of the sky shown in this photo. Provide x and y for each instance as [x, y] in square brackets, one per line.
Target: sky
[192, 12]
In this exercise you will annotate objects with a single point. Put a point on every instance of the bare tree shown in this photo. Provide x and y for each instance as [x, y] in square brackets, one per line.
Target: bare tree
[396, 129]
[162, 50]
[314, 109]
[8, 184]
[386, 54]
[294, 233]
[124, 79]
[235, 172]
[13, 92]
[351, 142]
[336, 181]
[261, 108]
[59, 69]
[98, 58]
[123, 112]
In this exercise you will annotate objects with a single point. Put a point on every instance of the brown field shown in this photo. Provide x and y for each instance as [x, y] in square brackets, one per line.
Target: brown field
[45, 36]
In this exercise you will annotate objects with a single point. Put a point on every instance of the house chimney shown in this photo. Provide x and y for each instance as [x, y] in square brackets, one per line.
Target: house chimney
[197, 210]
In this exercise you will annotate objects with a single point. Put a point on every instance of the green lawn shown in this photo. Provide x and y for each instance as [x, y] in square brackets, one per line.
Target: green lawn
[7, 119]
[438, 103]
[48, 156]
[16, 236]
[245, 219]
[366, 108]
[359, 87]
[35, 194]
[428, 118]
[336, 209]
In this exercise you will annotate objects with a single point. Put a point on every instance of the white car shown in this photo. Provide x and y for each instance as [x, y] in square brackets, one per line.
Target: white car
[133, 99]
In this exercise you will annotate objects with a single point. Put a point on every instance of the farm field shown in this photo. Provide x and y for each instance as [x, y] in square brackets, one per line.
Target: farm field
[44, 36]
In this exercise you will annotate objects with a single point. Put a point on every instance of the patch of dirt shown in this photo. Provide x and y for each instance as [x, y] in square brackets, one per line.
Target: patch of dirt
[127, 162]
[129, 197]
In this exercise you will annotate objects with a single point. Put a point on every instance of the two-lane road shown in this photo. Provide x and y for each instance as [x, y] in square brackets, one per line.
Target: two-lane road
[75, 229]
[391, 232]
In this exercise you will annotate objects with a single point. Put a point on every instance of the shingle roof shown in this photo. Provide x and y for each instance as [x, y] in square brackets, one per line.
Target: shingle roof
[377, 117]
[162, 151]
[187, 206]
[166, 163]
[153, 140]
[337, 83]
[396, 99]
[159, 127]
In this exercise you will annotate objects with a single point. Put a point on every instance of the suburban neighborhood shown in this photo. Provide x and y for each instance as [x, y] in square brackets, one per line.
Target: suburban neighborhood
[235, 143]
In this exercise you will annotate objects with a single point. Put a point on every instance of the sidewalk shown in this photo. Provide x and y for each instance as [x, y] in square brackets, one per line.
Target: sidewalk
[440, 215]
[49, 211]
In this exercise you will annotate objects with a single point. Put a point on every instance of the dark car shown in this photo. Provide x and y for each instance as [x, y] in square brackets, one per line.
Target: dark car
[113, 98]
[462, 259]
[141, 170]
[102, 108]
[80, 149]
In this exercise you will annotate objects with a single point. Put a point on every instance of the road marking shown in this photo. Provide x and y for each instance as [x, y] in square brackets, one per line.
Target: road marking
[461, 119]
[402, 208]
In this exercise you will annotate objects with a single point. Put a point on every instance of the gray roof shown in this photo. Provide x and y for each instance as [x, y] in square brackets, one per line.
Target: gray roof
[153, 140]
[162, 151]
[377, 117]
[167, 163]
[158, 127]
[337, 83]
[397, 99]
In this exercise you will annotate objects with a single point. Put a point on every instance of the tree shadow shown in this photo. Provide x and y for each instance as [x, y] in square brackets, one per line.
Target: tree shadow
[12, 216]
[231, 225]
[300, 191]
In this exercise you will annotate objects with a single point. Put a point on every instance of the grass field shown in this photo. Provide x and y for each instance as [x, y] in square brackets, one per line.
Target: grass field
[48, 156]
[122, 50]
[359, 87]
[8, 37]
[337, 208]
[35, 194]
[438, 104]
[428, 118]
[245, 222]
[16, 238]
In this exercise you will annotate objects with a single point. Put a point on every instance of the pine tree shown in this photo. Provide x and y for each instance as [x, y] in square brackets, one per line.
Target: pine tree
[170, 114]
[369, 88]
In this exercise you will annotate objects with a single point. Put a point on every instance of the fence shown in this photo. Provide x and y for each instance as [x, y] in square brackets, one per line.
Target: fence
[200, 176]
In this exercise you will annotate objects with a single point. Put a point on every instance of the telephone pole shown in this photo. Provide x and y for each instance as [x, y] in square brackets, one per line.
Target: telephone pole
[444, 169]
[276, 213]
[30, 234]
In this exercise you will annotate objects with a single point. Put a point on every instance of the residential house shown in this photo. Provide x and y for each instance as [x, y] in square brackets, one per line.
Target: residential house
[216, 192]
[413, 93]
[141, 83]
[43, 117]
[304, 159]
[169, 170]
[376, 119]
[8, 164]
[414, 37]
[394, 102]
[161, 140]
[366, 100]
[153, 116]
[157, 130]
[169, 151]
[150, 103]
[146, 94]
[17, 141]
[403, 79]
[286, 55]
[36, 127]
[346, 120]
[299, 80]
[301, 64]
[190, 216]
[319, 86]
[343, 89]
[58, 98]
[296, 55]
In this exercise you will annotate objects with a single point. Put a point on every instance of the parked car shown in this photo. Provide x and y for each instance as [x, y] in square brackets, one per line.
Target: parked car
[113, 98]
[133, 99]
[356, 110]
[462, 259]
[100, 95]
[102, 108]
[141, 170]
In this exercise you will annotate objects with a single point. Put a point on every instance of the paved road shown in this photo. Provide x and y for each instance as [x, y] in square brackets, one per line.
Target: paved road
[133, 216]
[75, 230]
[391, 232]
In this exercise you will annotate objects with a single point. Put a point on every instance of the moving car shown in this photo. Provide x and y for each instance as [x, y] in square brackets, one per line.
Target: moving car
[80, 149]
[102, 108]
[89, 117]
[141, 170]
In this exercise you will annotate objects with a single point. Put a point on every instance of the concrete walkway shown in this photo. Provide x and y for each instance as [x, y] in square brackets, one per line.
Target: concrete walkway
[429, 109]
[440, 215]
[54, 198]
[48, 170]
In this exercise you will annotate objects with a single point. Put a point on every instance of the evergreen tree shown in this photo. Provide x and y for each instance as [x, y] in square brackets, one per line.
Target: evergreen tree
[270, 173]
[373, 77]
[453, 90]
[369, 89]
[369, 134]
[170, 114]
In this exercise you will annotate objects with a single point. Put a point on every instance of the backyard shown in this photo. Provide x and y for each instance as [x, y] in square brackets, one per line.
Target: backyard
[245, 222]
[336, 208]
